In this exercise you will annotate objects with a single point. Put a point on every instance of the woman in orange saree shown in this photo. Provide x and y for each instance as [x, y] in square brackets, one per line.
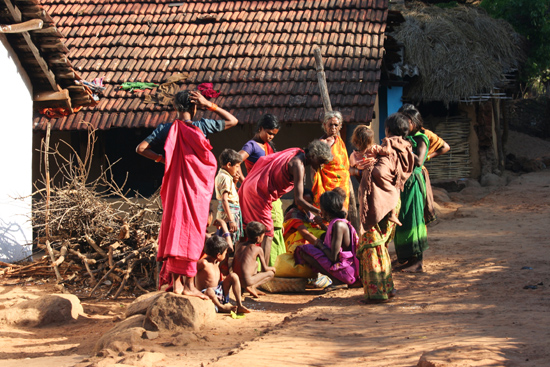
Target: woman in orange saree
[336, 173]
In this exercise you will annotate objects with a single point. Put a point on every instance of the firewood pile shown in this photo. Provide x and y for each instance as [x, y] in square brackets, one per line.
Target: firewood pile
[98, 242]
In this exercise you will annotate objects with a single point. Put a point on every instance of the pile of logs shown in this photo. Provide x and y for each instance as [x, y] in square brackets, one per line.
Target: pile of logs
[97, 241]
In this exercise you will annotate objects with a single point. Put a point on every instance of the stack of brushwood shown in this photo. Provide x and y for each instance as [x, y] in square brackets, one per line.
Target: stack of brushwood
[97, 241]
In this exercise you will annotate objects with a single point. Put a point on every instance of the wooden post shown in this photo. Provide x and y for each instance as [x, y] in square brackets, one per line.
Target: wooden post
[321, 78]
[47, 213]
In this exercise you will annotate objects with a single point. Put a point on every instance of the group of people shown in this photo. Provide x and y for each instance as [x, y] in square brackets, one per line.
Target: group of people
[315, 231]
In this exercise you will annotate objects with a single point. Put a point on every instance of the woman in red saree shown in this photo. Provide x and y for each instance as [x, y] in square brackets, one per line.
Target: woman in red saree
[261, 145]
[187, 186]
[275, 175]
[336, 173]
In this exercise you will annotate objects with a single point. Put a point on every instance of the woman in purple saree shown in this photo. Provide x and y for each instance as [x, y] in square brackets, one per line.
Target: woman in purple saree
[335, 255]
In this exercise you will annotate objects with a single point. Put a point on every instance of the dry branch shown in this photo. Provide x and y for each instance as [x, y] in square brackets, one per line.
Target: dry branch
[92, 222]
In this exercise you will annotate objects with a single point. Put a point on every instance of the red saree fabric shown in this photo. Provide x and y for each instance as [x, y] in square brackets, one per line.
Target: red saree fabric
[267, 182]
[186, 192]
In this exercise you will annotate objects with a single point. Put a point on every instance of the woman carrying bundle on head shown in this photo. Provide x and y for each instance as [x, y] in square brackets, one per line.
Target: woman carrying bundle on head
[187, 186]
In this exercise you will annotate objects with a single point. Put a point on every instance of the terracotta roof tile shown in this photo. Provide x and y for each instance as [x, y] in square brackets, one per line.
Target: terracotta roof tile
[261, 51]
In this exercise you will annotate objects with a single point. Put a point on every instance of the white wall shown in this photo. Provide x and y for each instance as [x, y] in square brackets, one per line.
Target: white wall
[15, 157]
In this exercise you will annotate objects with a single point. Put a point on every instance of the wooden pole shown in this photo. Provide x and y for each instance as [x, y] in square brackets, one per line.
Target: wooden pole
[321, 79]
[47, 213]
[353, 214]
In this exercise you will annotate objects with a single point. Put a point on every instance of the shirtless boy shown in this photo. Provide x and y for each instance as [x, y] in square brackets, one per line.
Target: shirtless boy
[208, 277]
[244, 263]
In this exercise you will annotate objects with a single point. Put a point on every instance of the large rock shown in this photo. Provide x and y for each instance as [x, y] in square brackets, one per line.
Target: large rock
[142, 303]
[174, 312]
[45, 310]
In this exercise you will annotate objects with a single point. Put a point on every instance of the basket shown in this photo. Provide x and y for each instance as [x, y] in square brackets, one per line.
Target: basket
[285, 285]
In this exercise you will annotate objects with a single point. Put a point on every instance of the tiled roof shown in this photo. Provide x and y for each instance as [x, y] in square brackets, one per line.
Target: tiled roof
[258, 54]
[43, 55]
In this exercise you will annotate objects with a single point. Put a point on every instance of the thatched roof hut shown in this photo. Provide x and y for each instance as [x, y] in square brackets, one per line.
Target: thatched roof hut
[455, 54]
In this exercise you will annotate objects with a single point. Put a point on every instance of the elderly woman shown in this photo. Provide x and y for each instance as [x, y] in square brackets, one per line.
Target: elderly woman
[379, 195]
[336, 173]
[275, 175]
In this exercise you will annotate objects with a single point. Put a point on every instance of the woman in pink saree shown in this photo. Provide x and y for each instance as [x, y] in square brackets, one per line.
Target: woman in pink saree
[275, 175]
[187, 186]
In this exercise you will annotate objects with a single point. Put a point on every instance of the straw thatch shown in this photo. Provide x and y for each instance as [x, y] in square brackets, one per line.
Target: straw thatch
[459, 52]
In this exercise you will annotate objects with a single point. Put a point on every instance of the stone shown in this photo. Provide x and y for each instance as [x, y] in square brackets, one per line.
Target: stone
[45, 310]
[123, 336]
[151, 335]
[490, 179]
[440, 195]
[142, 303]
[144, 359]
[173, 312]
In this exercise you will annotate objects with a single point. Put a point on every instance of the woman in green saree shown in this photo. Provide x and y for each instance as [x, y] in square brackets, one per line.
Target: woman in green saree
[411, 238]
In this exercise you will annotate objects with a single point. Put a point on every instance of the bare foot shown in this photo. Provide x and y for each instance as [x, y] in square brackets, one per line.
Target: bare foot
[393, 293]
[242, 309]
[177, 285]
[255, 293]
[227, 308]
[413, 266]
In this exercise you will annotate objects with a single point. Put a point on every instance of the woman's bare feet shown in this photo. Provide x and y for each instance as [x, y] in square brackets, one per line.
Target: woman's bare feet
[177, 285]
[413, 266]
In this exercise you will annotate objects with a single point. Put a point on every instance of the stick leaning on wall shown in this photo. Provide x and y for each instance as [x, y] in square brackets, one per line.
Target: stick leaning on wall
[321, 79]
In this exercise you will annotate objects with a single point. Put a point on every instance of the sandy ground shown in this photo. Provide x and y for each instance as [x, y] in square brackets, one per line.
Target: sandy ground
[469, 309]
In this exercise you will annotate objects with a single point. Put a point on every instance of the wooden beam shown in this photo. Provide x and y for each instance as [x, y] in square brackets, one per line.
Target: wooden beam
[16, 15]
[29, 25]
[41, 62]
[63, 94]
[14, 11]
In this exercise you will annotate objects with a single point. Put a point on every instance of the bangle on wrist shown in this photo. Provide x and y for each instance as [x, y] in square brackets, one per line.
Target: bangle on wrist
[226, 234]
[213, 107]
[159, 158]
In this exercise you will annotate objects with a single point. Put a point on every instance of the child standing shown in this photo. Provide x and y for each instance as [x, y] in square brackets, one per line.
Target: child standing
[208, 277]
[229, 209]
[244, 263]
[364, 158]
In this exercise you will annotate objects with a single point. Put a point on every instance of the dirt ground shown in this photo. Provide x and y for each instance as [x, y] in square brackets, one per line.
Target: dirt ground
[471, 307]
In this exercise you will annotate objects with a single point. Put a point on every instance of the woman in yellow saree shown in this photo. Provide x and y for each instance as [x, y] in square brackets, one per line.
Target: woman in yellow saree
[336, 173]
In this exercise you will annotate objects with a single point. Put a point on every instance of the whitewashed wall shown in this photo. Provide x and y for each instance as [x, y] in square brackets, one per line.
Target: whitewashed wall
[15, 157]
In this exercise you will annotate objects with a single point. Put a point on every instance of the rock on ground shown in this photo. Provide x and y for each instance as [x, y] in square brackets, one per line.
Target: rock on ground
[45, 310]
[174, 312]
